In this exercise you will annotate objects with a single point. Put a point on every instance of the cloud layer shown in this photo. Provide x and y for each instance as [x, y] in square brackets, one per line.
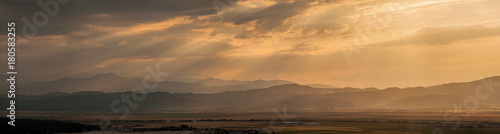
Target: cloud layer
[396, 43]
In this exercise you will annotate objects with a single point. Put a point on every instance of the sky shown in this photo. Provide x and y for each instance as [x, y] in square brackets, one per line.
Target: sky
[363, 43]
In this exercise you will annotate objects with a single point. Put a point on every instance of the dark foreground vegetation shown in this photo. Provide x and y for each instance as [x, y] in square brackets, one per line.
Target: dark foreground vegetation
[43, 126]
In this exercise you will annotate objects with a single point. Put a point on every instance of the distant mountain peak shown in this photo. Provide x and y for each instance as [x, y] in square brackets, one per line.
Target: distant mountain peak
[211, 78]
[255, 84]
[290, 86]
[106, 75]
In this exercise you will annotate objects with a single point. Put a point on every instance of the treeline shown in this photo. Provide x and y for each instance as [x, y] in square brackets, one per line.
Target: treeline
[44, 126]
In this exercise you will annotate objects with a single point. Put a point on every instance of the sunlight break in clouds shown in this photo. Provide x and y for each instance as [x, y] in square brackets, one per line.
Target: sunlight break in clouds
[421, 43]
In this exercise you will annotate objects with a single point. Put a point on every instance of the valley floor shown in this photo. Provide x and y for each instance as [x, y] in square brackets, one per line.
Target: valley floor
[333, 121]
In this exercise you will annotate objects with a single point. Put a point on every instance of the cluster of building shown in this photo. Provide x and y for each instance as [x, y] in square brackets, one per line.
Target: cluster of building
[478, 124]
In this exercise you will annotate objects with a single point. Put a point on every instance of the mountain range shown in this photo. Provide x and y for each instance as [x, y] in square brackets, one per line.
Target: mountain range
[294, 96]
[114, 83]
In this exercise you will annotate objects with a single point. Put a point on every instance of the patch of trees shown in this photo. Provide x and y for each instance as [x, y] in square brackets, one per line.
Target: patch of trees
[44, 126]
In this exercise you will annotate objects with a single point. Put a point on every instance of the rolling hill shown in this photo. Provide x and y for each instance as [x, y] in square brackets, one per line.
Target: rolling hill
[293, 96]
[114, 83]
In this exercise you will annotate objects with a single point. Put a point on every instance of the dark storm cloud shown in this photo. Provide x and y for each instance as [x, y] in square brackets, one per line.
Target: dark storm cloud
[268, 19]
[71, 41]
[76, 15]
[277, 12]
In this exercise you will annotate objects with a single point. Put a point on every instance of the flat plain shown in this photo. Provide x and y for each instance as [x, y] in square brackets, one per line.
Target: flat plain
[332, 121]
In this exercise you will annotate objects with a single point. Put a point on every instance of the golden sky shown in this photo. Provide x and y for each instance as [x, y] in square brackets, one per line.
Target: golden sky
[364, 43]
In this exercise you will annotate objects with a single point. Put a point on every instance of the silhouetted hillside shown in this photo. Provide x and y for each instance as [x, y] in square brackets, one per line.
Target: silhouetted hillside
[114, 83]
[292, 95]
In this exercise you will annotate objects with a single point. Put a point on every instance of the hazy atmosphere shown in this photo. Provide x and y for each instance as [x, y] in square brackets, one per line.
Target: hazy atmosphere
[365, 43]
[250, 66]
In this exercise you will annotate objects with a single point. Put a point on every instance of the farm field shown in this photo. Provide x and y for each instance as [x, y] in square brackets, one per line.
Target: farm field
[340, 121]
